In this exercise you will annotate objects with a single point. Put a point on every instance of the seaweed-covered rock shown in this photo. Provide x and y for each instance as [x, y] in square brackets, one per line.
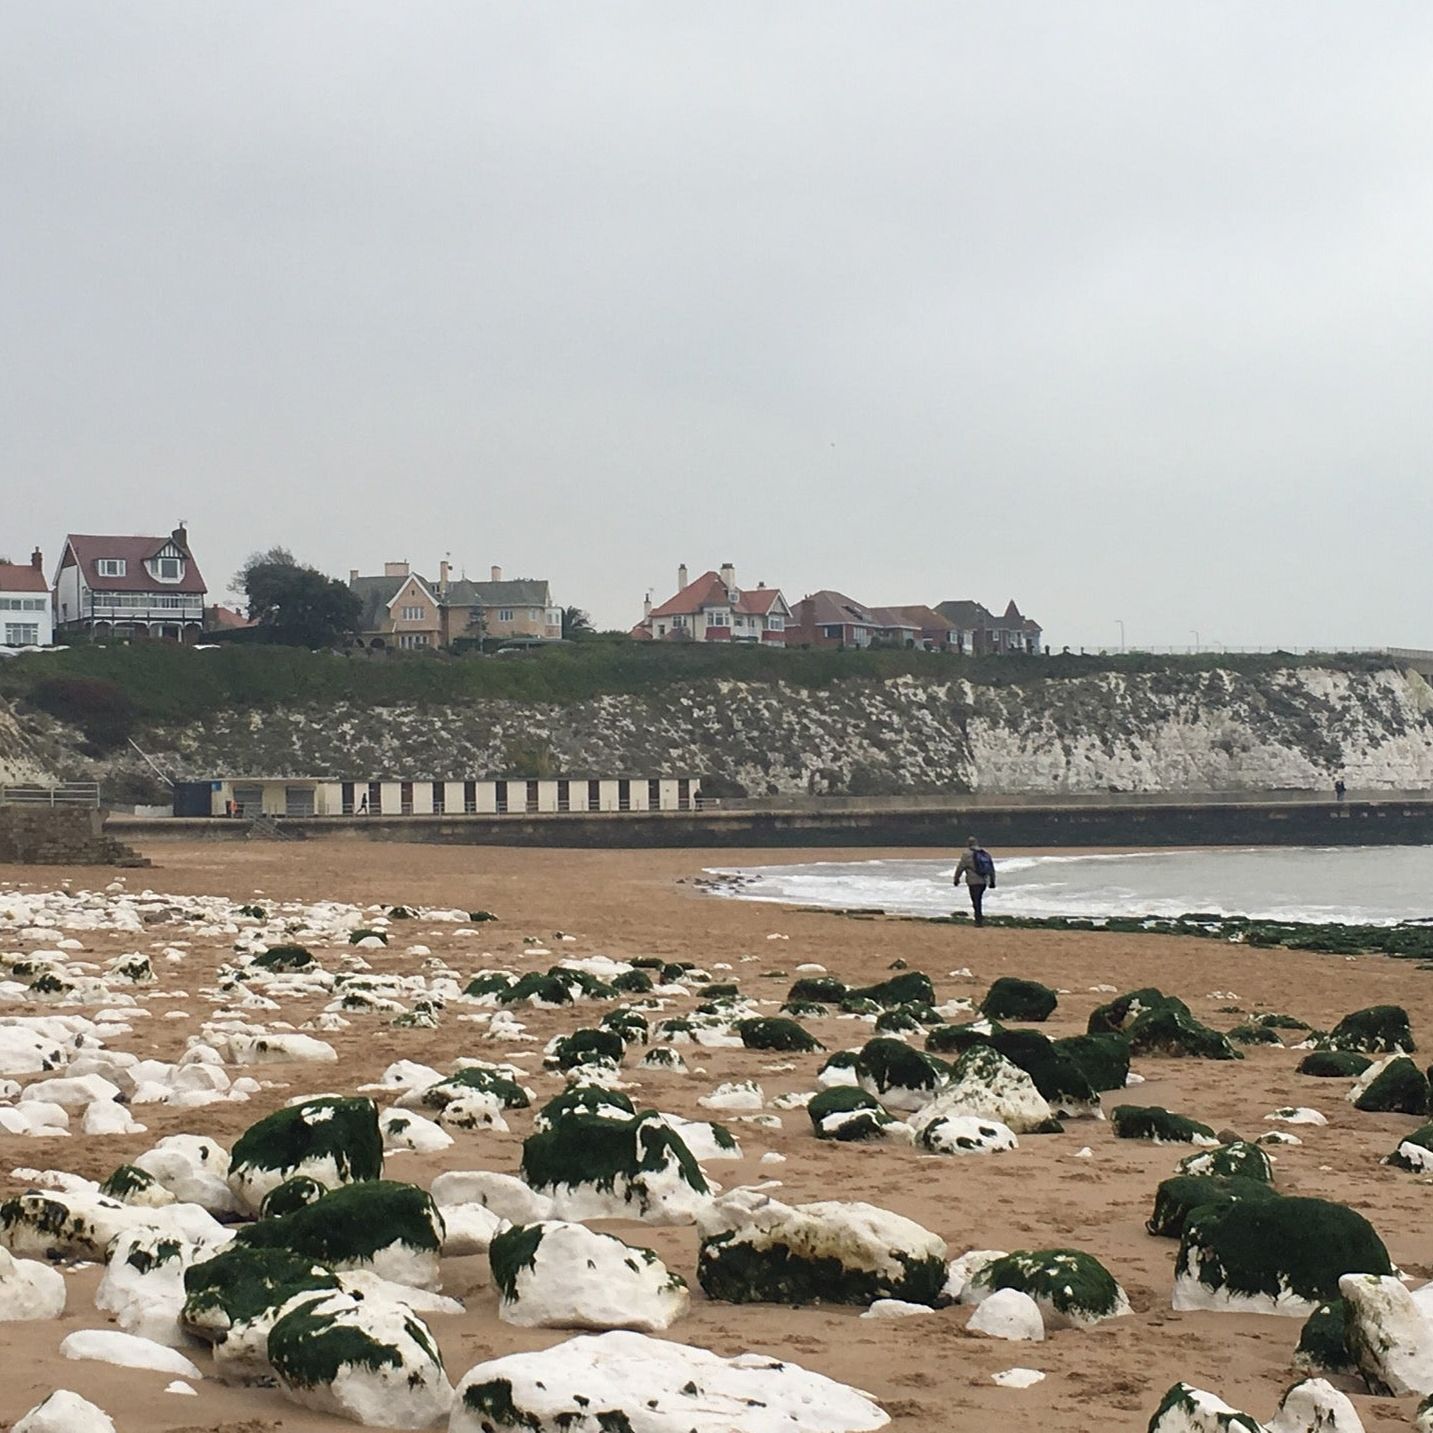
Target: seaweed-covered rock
[1185, 1409]
[1121, 1012]
[1102, 1059]
[817, 990]
[493, 1081]
[1334, 1064]
[584, 1100]
[333, 1140]
[556, 987]
[758, 1250]
[620, 1381]
[1376, 1030]
[985, 1084]
[1072, 1288]
[1389, 1339]
[389, 1229]
[1154, 1123]
[143, 1286]
[129, 1184]
[62, 1224]
[1057, 1076]
[1253, 1033]
[776, 1033]
[564, 1275]
[292, 1194]
[1322, 1346]
[1392, 1086]
[1279, 1256]
[957, 1039]
[1171, 1031]
[1414, 1152]
[850, 1115]
[595, 1168]
[900, 1077]
[585, 1047]
[1011, 998]
[365, 1358]
[839, 1069]
[233, 1298]
[285, 958]
[966, 1134]
[1237, 1160]
[29, 1290]
[1177, 1197]
[910, 987]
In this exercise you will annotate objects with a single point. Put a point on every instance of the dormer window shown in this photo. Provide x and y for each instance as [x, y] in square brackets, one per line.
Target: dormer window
[110, 567]
[167, 569]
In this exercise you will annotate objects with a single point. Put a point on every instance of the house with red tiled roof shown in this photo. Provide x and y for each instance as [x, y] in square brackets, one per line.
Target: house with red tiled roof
[715, 609]
[916, 626]
[25, 604]
[831, 619]
[977, 631]
[129, 587]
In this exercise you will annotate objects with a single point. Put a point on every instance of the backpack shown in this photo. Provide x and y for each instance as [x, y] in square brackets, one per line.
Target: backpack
[984, 866]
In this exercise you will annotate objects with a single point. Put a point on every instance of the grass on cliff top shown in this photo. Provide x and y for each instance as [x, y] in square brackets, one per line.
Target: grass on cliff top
[170, 683]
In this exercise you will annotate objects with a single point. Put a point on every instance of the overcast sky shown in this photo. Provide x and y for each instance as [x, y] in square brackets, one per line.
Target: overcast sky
[1124, 310]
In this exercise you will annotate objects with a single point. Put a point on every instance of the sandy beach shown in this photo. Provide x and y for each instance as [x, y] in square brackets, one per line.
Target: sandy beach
[928, 1373]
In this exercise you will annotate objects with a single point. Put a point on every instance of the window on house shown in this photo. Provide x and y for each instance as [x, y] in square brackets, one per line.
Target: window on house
[413, 614]
[832, 632]
[412, 639]
[505, 614]
[168, 569]
[110, 567]
[470, 797]
[535, 615]
[775, 623]
[22, 634]
[440, 795]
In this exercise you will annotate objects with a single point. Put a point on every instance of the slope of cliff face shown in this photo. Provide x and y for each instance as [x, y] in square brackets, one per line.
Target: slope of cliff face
[1179, 731]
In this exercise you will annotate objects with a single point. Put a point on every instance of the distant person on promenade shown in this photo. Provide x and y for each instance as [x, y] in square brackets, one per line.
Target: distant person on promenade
[1339, 789]
[979, 871]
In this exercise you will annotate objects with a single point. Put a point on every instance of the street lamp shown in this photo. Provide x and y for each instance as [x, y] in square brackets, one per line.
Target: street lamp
[1195, 634]
[1119, 622]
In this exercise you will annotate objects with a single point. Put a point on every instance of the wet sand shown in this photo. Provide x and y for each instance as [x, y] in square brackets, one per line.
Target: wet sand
[927, 1372]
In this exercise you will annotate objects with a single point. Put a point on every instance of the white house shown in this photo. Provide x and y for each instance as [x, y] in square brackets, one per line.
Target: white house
[25, 604]
[715, 609]
[130, 587]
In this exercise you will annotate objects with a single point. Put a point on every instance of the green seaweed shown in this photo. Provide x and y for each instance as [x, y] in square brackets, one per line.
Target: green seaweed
[349, 1135]
[734, 1271]
[1154, 1122]
[1399, 1088]
[1073, 1282]
[1177, 1197]
[352, 1224]
[775, 1033]
[1011, 998]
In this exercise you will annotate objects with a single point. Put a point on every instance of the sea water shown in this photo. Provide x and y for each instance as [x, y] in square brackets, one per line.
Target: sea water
[1362, 884]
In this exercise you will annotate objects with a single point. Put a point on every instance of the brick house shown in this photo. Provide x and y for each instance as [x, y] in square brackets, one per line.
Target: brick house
[715, 609]
[25, 615]
[917, 626]
[405, 610]
[129, 587]
[976, 631]
[831, 619]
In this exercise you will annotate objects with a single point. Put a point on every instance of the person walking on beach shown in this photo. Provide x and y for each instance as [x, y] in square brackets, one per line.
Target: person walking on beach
[978, 869]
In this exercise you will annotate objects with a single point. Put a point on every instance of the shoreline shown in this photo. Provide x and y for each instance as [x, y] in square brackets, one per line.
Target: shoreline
[638, 903]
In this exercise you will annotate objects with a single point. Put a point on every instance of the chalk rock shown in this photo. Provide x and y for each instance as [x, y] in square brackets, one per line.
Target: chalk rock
[333, 1140]
[71, 1092]
[65, 1412]
[126, 1351]
[29, 1290]
[985, 1084]
[1009, 1314]
[469, 1229]
[966, 1134]
[1389, 1337]
[602, 1381]
[368, 1359]
[195, 1170]
[402, 1129]
[900, 1077]
[109, 1117]
[506, 1195]
[62, 1225]
[1191, 1410]
[1315, 1406]
[757, 1250]
[963, 1269]
[143, 1286]
[561, 1275]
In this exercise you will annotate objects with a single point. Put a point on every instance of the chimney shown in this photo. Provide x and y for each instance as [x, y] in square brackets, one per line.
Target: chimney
[728, 576]
[395, 569]
[681, 576]
[443, 578]
[647, 605]
[37, 561]
[352, 576]
[497, 573]
[181, 535]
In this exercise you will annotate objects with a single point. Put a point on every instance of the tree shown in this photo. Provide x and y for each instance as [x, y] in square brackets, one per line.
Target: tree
[576, 623]
[295, 604]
